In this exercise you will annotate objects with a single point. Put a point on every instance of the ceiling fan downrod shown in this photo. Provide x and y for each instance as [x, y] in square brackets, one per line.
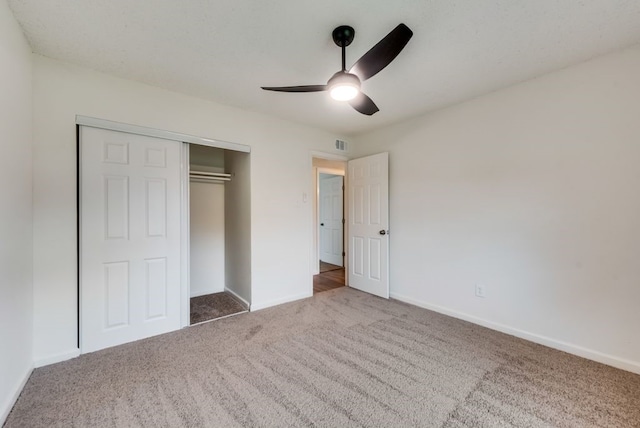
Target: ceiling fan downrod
[343, 36]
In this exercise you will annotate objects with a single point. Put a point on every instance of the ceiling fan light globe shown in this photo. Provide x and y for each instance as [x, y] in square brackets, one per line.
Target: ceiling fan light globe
[344, 92]
[344, 86]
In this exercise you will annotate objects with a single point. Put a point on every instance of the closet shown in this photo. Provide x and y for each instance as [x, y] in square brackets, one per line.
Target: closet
[164, 218]
[211, 297]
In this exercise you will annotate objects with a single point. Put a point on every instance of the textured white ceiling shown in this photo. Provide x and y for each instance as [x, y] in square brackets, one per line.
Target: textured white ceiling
[224, 50]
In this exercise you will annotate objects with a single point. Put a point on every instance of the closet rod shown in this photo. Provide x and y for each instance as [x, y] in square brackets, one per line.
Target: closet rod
[210, 174]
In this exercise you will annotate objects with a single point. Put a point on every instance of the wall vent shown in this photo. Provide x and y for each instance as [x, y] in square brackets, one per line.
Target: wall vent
[341, 145]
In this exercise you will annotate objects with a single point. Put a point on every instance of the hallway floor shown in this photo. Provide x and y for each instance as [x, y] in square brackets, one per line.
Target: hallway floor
[330, 277]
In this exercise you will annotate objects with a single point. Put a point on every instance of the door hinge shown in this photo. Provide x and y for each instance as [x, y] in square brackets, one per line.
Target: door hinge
[344, 254]
[342, 221]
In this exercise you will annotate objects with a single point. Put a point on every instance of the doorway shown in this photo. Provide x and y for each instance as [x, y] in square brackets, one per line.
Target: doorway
[366, 231]
[331, 213]
[329, 224]
[210, 297]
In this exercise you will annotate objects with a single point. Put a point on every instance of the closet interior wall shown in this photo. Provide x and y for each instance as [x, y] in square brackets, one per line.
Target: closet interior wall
[237, 212]
[206, 222]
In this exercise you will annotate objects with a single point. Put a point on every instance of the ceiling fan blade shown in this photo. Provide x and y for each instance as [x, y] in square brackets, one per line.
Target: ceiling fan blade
[383, 53]
[364, 104]
[306, 88]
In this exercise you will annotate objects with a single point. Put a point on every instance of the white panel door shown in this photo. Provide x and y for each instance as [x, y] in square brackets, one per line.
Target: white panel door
[331, 215]
[369, 224]
[129, 237]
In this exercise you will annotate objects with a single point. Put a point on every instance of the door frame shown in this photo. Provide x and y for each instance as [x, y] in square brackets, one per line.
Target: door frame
[185, 242]
[315, 213]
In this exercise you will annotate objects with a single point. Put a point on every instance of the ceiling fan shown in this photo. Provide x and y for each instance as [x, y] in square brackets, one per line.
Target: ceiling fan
[345, 85]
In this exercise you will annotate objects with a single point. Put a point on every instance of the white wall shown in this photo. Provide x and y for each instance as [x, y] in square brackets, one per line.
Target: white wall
[533, 191]
[16, 290]
[280, 165]
[206, 230]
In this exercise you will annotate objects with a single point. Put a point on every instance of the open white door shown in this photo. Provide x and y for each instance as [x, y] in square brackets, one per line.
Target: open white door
[130, 237]
[369, 223]
[331, 215]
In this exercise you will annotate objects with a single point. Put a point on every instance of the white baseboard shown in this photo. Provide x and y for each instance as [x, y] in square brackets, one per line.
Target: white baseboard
[590, 354]
[64, 356]
[11, 401]
[280, 301]
[237, 296]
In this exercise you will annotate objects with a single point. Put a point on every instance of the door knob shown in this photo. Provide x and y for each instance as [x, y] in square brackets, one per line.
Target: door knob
[383, 232]
[321, 224]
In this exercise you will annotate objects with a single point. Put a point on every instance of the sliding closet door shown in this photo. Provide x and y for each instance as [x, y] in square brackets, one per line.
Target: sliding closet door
[129, 237]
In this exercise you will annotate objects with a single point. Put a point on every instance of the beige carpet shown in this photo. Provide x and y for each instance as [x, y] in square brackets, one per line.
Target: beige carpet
[340, 359]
